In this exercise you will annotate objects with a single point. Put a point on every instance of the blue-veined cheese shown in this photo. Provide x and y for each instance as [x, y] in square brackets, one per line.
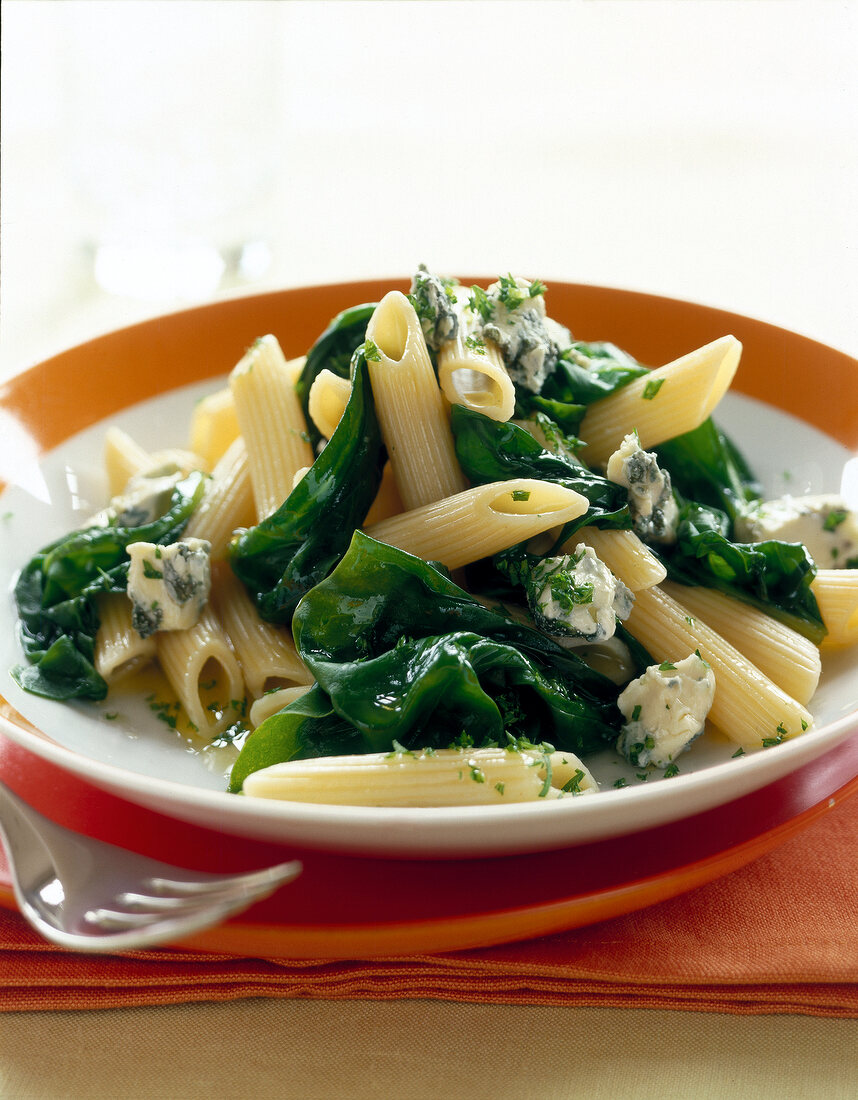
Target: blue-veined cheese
[665, 710]
[824, 523]
[651, 504]
[144, 499]
[577, 596]
[529, 341]
[168, 585]
[434, 307]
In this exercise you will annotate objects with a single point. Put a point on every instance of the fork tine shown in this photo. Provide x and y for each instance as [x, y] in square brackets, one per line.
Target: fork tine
[248, 881]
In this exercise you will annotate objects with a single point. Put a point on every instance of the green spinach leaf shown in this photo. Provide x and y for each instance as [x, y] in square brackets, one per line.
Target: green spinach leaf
[56, 591]
[293, 549]
[333, 351]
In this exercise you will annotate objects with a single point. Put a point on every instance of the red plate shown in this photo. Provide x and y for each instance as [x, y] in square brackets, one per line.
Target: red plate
[352, 907]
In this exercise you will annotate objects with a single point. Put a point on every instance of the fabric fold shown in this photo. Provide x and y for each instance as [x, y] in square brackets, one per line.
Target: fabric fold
[777, 936]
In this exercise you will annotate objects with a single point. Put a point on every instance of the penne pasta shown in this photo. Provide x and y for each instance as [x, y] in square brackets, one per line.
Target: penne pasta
[387, 502]
[400, 658]
[119, 649]
[204, 674]
[624, 553]
[784, 655]
[273, 701]
[663, 403]
[480, 521]
[266, 653]
[471, 371]
[748, 707]
[227, 502]
[214, 426]
[410, 407]
[123, 458]
[836, 592]
[329, 395]
[444, 777]
[271, 422]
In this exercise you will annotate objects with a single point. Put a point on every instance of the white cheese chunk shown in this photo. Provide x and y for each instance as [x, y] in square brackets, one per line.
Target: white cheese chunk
[168, 585]
[666, 710]
[144, 499]
[576, 595]
[435, 308]
[653, 509]
[824, 523]
[528, 341]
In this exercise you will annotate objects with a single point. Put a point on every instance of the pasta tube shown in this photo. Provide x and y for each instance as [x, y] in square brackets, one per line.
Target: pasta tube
[624, 553]
[662, 403]
[480, 521]
[214, 425]
[748, 707]
[411, 411]
[836, 592]
[441, 777]
[266, 653]
[227, 502]
[471, 372]
[329, 395]
[781, 653]
[204, 674]
[119, 649]
[271, 422]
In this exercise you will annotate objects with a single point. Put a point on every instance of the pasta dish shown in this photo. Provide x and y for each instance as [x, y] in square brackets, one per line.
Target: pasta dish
[444, 558]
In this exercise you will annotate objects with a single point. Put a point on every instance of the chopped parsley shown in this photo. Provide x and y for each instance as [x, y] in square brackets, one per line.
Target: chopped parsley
[739, 752]
[567, 593]
[670, 771]
[651, 388]
[481, 303]
[511, 295]
[521, 494]
[834, 519]
[150, 572]
[371, 352]
[573, 785]
[475, 344]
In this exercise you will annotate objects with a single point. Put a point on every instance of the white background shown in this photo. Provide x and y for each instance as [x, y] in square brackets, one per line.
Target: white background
[704, 150]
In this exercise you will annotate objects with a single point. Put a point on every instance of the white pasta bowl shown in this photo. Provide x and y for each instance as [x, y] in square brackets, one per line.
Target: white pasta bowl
[147, 378]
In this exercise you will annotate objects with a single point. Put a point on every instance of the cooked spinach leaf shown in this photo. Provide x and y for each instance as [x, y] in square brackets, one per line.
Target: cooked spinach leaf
[706, 466]
[491, 450]
[401, 653]
[587, 372]
[56, 590]
[774, 576]
[333, 351]
[293, 549]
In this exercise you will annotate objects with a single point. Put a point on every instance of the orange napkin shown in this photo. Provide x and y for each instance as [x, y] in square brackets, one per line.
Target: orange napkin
[780, 935]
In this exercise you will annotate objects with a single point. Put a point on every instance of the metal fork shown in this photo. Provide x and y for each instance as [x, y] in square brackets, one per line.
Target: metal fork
[87, 895]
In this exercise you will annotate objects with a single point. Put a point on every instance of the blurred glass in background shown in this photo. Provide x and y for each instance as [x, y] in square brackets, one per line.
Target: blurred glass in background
[160, 152]
[169, 114]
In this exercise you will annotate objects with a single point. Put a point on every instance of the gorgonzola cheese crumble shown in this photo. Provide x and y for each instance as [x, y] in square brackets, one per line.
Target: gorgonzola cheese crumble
[434, 307]
[513, 317]
[653, 509]
[665, 710]
[825, 524]
[168, 585]
[145, 498]
[576, 595]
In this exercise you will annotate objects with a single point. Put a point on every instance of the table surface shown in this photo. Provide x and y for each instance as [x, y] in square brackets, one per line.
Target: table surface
[701, 151]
